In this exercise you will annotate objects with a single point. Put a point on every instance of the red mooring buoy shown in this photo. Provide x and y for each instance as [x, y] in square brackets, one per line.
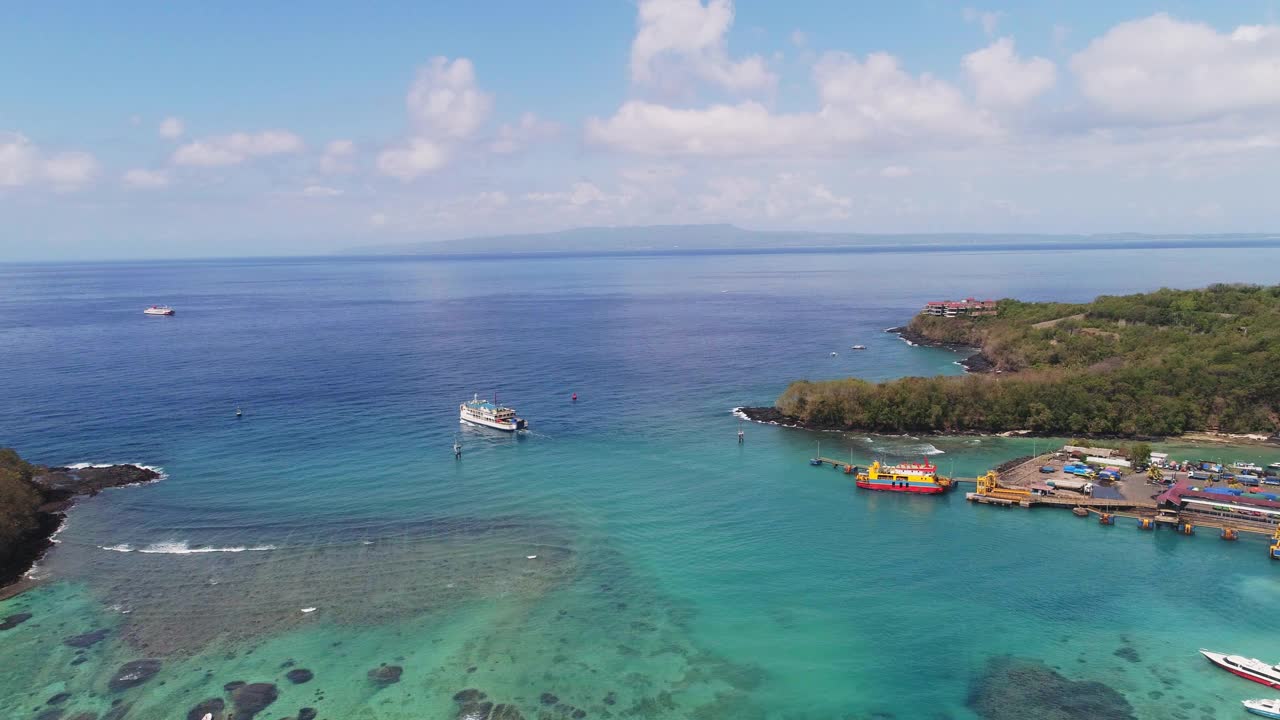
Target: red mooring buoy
[575, 397]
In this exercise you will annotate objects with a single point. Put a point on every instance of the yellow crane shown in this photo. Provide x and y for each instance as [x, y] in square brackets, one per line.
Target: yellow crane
[989, 486]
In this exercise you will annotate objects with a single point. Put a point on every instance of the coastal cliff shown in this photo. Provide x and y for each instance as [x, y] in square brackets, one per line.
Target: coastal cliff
[1147, 365]
[34, 501]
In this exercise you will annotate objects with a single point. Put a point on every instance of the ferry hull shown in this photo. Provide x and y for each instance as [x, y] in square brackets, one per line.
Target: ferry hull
[904, 487]
[505, 427]
[1220, 660]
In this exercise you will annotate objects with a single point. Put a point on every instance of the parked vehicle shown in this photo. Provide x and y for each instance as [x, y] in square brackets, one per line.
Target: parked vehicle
[1046, 469]
[1079, 469]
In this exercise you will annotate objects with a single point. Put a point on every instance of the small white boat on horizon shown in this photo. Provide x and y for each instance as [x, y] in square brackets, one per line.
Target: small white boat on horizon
[1265, 708]
[158, 310]
[857, 347]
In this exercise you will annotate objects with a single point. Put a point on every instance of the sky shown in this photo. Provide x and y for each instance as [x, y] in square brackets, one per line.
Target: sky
[150, 130]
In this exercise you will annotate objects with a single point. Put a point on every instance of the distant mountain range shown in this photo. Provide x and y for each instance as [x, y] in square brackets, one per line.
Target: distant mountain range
[697, 239]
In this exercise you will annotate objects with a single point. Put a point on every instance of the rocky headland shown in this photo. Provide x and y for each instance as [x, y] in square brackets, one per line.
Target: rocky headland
[974, 361]
[34, 501]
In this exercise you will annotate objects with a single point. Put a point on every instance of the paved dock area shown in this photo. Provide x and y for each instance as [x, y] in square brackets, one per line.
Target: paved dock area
[1133, 488]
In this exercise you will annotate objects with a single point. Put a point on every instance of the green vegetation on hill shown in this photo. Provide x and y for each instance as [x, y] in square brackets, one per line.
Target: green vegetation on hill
[19, 501]
[1158, 363]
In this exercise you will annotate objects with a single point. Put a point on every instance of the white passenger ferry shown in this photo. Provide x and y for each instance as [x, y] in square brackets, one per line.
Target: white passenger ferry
[490, 414]
[158, 310]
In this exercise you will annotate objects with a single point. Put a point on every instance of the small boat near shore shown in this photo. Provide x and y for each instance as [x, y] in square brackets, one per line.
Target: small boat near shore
[158, 310]
[1265, 708]
[1247, 668]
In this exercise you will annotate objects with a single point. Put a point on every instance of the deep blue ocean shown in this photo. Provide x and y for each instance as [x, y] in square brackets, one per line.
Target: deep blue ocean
[626, 556]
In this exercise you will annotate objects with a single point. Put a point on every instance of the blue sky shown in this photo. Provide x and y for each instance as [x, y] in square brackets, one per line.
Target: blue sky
[178, 130]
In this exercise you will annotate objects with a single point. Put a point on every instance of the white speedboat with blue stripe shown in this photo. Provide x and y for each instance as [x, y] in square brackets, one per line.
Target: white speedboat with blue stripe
[1265, 708]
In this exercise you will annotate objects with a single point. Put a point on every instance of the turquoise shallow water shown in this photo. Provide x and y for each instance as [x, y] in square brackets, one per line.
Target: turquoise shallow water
[676, 573]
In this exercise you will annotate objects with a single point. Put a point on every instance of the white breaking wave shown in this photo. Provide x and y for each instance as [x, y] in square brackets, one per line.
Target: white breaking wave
[182, 548]
[153, 468]
[737, 412]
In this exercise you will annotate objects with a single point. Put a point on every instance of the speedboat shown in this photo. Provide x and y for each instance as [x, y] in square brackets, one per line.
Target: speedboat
[1247, 668]
[1274, 466]
[1265, 708]
[158, 310]
[857, 347]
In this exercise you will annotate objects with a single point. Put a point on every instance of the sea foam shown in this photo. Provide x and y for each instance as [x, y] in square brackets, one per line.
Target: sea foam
[182, 548]
[153, 468]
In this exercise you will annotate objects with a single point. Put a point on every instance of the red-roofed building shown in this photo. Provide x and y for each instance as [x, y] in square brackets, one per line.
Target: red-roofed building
[968, 307]
[1192, 499]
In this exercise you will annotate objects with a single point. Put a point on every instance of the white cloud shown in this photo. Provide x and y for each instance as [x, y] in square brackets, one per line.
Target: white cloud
[529, 129]
[1160, 69]
[236, 148]
[171, 127]
[444, 101]
[1002, 79]
[22, 162]
[19, 160]
[415, 158]
[678, 39]
[871, 101]
[446, 107]
[337, 157]
[799, 39]
[378, 219]
[68, 170]
[581, 197]
[144, 179]
[988, 19]
[319, 191]
[786, 196]
[895, 171]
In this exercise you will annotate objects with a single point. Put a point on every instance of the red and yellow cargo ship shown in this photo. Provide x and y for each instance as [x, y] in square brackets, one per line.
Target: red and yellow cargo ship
[905, 477]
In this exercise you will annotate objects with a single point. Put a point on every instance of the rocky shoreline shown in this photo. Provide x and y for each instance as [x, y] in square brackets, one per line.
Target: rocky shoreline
[59, 487]
[975, 362]
[774, 416]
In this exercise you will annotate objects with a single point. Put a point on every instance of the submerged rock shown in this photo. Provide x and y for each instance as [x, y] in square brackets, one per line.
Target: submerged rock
[307, 714]
[14, 621]
[611, 698]
[88, 639]
[132, 674]
[117, 711]
[475, 711]
[58, 699]
[212, 706]
[1128, 653]
[251, 699]
[468, 695]
[1015, 689]
[506, 712]
[548, 699]
[384, 675]
[299, 676]
[233, 685]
